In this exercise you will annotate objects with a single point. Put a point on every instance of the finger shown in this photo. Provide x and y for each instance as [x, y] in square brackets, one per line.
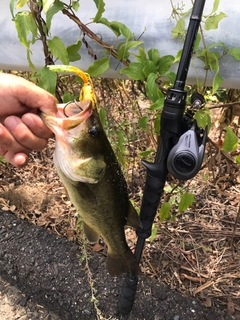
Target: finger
[37, 98]
[18, 160]
[37, 126]
[8, 143]
[24, 137]
[30, 95]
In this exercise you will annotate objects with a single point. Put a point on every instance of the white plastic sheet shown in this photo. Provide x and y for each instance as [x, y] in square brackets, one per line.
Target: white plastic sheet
[152, 15]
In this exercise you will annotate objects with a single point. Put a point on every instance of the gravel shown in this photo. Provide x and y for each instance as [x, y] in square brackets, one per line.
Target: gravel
[42, 277]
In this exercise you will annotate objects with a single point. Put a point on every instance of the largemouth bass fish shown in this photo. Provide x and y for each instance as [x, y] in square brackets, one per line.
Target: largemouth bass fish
[89, 170]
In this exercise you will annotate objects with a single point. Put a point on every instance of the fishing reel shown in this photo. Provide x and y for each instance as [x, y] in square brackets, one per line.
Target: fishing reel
[186, 157]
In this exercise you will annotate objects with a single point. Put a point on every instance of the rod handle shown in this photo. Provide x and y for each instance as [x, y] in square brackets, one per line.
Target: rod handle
[127, 297]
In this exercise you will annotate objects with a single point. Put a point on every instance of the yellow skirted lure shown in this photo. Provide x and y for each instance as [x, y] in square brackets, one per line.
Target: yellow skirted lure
[87, 92]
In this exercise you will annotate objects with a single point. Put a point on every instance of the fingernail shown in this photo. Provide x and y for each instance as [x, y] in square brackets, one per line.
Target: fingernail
[11, 122]
[28, 120]
[20, 160]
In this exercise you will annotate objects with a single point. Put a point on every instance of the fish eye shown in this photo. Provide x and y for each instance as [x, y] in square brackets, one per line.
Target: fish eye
[93, 131]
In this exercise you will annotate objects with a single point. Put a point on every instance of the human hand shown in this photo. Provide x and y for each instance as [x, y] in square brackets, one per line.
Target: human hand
[21, 129]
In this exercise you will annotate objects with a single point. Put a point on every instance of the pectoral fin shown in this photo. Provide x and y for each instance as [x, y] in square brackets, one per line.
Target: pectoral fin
[122, 263]
[90, 233]
[90, 170]
[133, 219]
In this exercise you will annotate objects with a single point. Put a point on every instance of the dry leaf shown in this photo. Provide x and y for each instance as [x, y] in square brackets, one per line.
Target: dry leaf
[97, 247]
[208, 302]
[12, 208]
[5, 208]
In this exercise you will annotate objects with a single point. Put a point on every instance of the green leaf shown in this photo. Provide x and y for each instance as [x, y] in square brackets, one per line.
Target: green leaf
[103, 116]
[145, 153]
[134, 71]
[149, 67]
[171, 76]
[197, 41]
[179, 29]
[21, 3]
[152, 89]
[210, 59]
[214, 45]
[238, 159]
[118, 28]
[123, 30]
[154, 55]
[25, 25]
[203, 118]
[235, 52]
[97, 2]
[164, 211]
[31, 65]
[100, 6]
[72, 51]
[97, 68]
[11, 5]
[186, 200]
[57, 6]
[213, 60]
[141, 56]
[178, 56]
[213, 21]
[67, 96]
[58, 49]
[111, 26]
[75, 5]
[157, 124]
[123, 52]
[143, 122]
[215, 6]
[47, 4]
[157, 105]
[48, 79]
[217, 81]
[186, 13]
[164, 64]
[230, 141]
[153, 233]
[2, 159]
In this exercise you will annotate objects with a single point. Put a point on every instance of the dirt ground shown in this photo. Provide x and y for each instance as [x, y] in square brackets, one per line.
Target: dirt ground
[190, 269]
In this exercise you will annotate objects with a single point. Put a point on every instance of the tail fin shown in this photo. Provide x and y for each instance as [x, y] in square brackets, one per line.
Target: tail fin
[124, 263]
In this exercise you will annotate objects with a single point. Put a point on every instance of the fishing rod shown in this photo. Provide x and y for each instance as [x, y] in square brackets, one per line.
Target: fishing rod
[180, 151]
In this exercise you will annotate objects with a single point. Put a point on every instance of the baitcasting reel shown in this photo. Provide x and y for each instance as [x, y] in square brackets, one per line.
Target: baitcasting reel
[185, 158]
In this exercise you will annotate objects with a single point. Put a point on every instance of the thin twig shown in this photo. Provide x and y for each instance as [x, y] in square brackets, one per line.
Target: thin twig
[93, 36]
[234, 231]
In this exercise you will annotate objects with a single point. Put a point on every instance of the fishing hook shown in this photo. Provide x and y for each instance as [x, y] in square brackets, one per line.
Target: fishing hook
[76, 103]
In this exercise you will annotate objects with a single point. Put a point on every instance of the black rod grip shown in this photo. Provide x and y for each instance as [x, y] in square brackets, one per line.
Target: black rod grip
[127, 297]
[153, 190]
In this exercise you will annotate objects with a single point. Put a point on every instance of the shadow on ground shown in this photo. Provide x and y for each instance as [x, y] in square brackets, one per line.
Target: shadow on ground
[47, 270]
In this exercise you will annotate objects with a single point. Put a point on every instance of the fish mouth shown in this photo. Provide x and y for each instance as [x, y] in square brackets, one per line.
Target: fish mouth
[68, 116]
